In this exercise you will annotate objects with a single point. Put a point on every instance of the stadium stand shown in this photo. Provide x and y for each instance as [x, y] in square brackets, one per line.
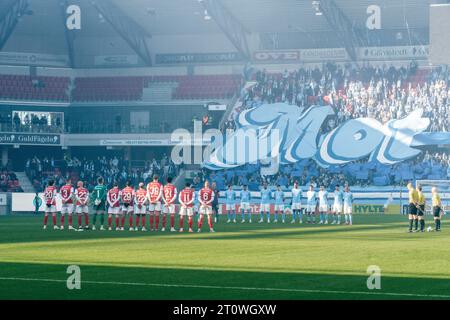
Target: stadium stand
[199, 87]
[9, 181]
[381, 92]
[39, 88]
[39, 171]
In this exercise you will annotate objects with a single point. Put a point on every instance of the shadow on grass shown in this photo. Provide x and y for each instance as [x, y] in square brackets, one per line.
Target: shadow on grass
[35, 281]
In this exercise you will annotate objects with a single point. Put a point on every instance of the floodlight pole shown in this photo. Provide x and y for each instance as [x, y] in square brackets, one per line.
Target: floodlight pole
[127, 28]
[9, 16]
[349, 35]
[229, 24]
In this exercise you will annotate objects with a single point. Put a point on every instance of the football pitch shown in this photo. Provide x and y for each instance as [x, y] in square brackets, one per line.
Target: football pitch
[239, 261]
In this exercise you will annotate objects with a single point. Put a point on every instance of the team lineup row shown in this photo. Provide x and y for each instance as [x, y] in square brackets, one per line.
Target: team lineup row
[156, 199]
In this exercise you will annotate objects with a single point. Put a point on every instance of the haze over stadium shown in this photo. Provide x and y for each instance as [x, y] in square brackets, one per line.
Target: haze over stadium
[275, 125]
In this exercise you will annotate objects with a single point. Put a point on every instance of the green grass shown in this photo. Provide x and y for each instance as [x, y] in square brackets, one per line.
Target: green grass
[240, 261]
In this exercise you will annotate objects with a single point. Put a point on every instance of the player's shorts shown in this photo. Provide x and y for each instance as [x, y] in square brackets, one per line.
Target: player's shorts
[311, 208]
[337, 208]
[296, 206]
[154, 206]
[50, 209]
[67, 208]
[141, 210]
[348, 208]
[114, 210]
[323, 208]
[437, 212]
[265, 207]
[127, 209]
[206, 210]
[169, 209]
[279, 207]
[230, 206]
[412, 209]
[82, 209]
[421, 210]
[100, 207]
[245, 206]
[186, 211]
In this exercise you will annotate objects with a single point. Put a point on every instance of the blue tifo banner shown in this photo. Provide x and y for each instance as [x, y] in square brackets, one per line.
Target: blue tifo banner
[290, 133]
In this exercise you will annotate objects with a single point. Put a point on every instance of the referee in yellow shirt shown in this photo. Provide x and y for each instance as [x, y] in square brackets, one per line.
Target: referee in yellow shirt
[420, 208]
[413, 203]
[437, 208]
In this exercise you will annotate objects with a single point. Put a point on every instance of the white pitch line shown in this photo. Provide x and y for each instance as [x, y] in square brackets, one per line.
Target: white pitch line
[238, 288]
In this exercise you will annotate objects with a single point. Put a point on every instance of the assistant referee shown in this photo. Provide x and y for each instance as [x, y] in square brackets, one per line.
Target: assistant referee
[413, 203]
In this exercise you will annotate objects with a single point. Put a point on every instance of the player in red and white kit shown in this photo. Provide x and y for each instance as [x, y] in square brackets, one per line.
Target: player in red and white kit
[113, 199]
[169, 197]
[140, 200]
[186, 199]
[67, 194]
[50, 203]
[127, 197]
[154, 195]
[82, 198]
[206, 197]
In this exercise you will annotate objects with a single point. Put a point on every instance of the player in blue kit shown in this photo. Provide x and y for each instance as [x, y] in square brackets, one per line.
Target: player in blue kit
[311, 204]
[245, 204]
[323, 205]
[230, 198]
[337, 205]
[348, 203]
[279, 204]
[265, 203]
[296, 203]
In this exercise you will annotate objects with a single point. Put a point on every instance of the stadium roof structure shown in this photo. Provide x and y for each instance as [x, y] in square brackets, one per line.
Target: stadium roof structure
[128, 27]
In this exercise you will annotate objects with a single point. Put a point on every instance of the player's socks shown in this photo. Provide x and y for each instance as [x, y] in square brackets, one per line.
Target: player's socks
[283, 216]
[346, 218]
[229, 215]
[117, 222]
[261, 215]
[172, 220]
[268, 216]
[181, 222]
[45, 219]
[102, 218]
[243, 215]
[109, 221]
[249, 216]
[339, 219]
[143, 222]
[157, 222]
[164, 220]
[70, 220]
[95, 219]
[350, 219]
[62, 220]
[300, 215]
[137, 221]
[422, 225]
[294, 214]
[86, 219]
[416, 222]
[131, 221]
[276, 215]
[411, 221]
[79, 220]
[151, 222]
[191, 222]
[439, 224]
[234, 215]
[210, 222]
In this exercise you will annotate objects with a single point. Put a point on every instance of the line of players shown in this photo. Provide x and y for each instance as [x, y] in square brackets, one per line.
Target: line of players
[417, 204]
[316, 201]
[155, 200]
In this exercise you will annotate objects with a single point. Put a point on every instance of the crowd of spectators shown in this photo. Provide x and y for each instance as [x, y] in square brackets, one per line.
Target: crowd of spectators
[9, 181]
[112, 169]
[379, 92]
